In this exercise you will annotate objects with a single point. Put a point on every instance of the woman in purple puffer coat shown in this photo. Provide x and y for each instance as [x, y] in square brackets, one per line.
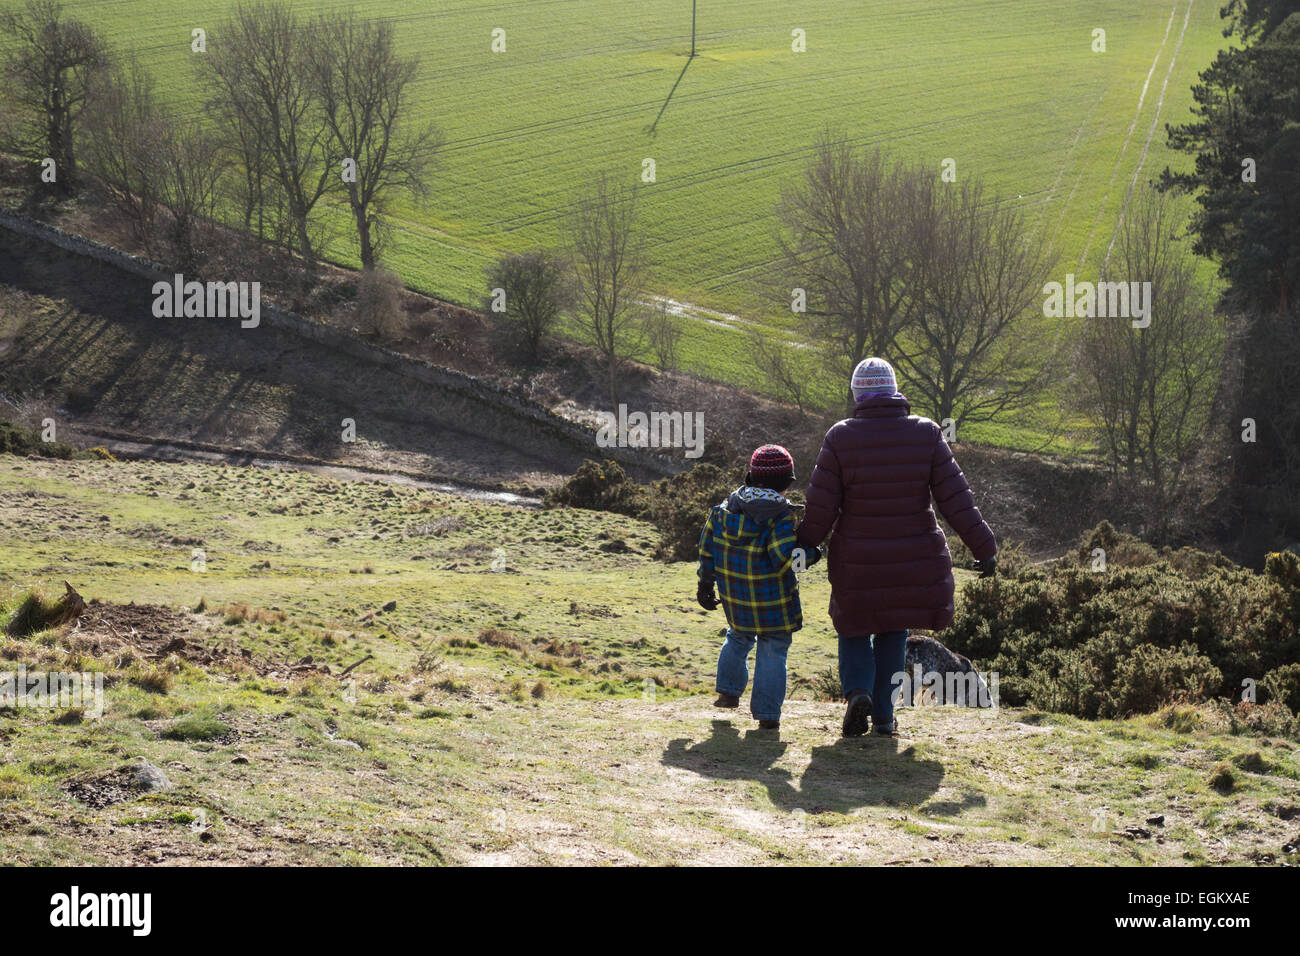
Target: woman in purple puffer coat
[888, 559]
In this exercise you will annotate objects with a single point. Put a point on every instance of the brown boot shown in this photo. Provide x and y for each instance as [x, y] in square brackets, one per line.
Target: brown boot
[730, 701]
[857, 714]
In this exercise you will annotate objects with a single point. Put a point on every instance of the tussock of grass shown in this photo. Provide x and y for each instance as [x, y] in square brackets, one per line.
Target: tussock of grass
[241, 613]
[1254, 762]
[193, 727]
[156, 680]
[1180, 718]
[496, 638]
[1222, 778]
[33, 614]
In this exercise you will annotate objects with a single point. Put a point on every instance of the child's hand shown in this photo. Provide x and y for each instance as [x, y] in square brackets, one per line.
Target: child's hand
[704, 594]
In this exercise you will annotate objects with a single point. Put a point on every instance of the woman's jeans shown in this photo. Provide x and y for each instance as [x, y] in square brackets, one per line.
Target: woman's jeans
[769, 671]
[874, 663]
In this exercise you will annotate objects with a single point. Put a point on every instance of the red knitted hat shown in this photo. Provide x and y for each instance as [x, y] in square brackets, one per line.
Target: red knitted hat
[771, 460]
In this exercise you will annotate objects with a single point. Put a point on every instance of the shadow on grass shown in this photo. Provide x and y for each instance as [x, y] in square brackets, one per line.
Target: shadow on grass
[840, 777]
[655, 125]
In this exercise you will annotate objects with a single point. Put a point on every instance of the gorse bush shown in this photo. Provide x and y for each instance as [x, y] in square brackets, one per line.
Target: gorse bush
[1282, 684]
[676, 506]
[17, 440]
[1150, 628]
[600, 486]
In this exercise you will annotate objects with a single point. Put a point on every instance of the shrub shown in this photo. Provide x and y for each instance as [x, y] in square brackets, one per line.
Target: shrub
[379, 304]
[1012, 558]
[1122, 550]
[17, 440]
[599, 486]
[1153, 676]
[1150, 628]
[1282, 684]
[537, 287]
[826, 685]
[679, 505]
[676, 506]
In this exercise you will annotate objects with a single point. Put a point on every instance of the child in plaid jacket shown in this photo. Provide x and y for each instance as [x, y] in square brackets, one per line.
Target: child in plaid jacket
[748, 549]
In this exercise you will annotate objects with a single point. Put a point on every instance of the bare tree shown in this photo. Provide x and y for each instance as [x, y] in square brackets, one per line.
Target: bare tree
[259, 66]
[162, 172]
[256, 191]
[1152, 387]
[610, 268]
[663, 332]
[191, 164]
[50, 71]
[122, 134]
[537, 289]
[361, 83]
[796, 373]
[978, 345]
[839, 242]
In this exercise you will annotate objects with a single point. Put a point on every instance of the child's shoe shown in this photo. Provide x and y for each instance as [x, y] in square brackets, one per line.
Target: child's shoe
[730, 701]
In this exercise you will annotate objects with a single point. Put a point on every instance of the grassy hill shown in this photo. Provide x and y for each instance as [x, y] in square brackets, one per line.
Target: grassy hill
[1012, 91]
[555, 710]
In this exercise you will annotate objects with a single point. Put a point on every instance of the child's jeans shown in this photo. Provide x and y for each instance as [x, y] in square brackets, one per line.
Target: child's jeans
[769, 671]
[874, 664]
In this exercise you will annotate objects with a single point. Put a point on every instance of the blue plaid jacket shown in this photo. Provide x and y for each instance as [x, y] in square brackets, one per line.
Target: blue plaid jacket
[747, 547]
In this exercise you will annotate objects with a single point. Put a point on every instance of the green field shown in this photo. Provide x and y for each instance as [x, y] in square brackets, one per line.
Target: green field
[1012, 91]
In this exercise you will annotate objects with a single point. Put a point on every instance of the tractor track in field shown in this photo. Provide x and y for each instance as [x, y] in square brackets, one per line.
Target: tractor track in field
[1146, 147]
[1137, 115]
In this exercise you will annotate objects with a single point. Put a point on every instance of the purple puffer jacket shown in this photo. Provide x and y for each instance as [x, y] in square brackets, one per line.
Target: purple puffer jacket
[888, 559]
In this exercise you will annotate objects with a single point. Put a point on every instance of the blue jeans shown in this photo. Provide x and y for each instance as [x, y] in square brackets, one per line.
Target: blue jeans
[769, 671]
[873, 664]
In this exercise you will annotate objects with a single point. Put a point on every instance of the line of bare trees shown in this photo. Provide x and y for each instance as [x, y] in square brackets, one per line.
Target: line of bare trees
[298, 112]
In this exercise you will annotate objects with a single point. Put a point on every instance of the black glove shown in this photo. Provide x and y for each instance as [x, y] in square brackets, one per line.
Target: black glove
[704, 594]
[988, 567]
[811, 556]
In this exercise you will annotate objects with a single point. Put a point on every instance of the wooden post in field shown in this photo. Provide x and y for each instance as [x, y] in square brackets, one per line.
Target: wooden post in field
[692, 29]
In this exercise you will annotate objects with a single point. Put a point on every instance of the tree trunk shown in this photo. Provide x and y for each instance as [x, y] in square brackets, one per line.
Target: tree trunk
[363, 231]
